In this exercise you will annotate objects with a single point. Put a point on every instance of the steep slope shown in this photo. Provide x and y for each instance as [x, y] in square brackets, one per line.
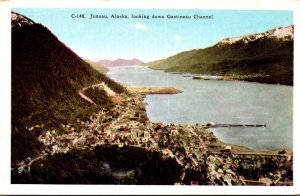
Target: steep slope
[46, 77]
[268, 55]
[97, 66]
[120, 62]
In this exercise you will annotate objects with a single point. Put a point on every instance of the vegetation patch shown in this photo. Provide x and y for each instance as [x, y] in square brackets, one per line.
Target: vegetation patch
[103, 165]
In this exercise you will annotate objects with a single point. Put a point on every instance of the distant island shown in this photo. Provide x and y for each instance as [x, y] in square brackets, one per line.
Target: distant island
[261, 57]
[120, 62]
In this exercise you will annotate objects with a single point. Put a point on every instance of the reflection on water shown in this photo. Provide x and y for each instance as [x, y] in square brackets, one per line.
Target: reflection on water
[220, 101]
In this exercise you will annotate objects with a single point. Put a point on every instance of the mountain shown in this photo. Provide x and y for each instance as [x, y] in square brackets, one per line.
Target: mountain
[280, 33]
[97, 66]
[46, 79]
[262, 57]
[120, 62]
[18, 20]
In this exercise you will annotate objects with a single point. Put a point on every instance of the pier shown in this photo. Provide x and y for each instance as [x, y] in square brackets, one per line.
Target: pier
[213, 124]
[240, 125]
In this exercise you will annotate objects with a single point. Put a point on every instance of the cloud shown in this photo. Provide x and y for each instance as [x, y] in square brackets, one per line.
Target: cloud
[177, 37]
[140, 26]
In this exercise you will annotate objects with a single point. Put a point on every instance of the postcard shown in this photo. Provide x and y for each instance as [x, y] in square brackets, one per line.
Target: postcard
[149, 98]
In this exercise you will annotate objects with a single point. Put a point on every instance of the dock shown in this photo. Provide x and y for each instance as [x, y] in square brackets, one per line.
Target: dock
[240, 125]
[216, 125]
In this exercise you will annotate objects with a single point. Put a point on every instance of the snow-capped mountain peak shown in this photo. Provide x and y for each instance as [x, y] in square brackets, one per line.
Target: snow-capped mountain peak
[282, 33]
[17, 20]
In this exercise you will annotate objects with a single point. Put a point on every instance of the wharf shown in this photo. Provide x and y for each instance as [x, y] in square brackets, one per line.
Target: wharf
[240, 125]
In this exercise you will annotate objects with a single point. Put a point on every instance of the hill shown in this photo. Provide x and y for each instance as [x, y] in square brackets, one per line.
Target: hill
[262, 57]
[120, 62]
[97, 66]
[46, 78]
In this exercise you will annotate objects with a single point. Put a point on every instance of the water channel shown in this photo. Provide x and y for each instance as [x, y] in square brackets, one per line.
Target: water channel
[233, 102]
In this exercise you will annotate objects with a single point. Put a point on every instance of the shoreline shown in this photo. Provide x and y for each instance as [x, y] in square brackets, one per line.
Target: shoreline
[154, 90]
[252, 78]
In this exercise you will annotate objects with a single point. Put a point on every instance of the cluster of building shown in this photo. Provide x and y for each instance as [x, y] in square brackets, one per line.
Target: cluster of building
[118, 126]
[250, 169]
[121, 125]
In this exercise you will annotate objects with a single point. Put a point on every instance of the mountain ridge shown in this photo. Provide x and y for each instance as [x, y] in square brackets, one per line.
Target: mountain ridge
[268, 54]
[277, 33]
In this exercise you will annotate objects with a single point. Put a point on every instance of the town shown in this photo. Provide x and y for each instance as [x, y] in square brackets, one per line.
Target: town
[194, 147]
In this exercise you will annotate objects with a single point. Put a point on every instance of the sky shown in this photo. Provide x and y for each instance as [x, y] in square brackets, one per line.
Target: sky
[149, 39]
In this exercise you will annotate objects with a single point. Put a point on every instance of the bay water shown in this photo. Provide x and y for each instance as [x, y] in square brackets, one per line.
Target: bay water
[232, 102]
